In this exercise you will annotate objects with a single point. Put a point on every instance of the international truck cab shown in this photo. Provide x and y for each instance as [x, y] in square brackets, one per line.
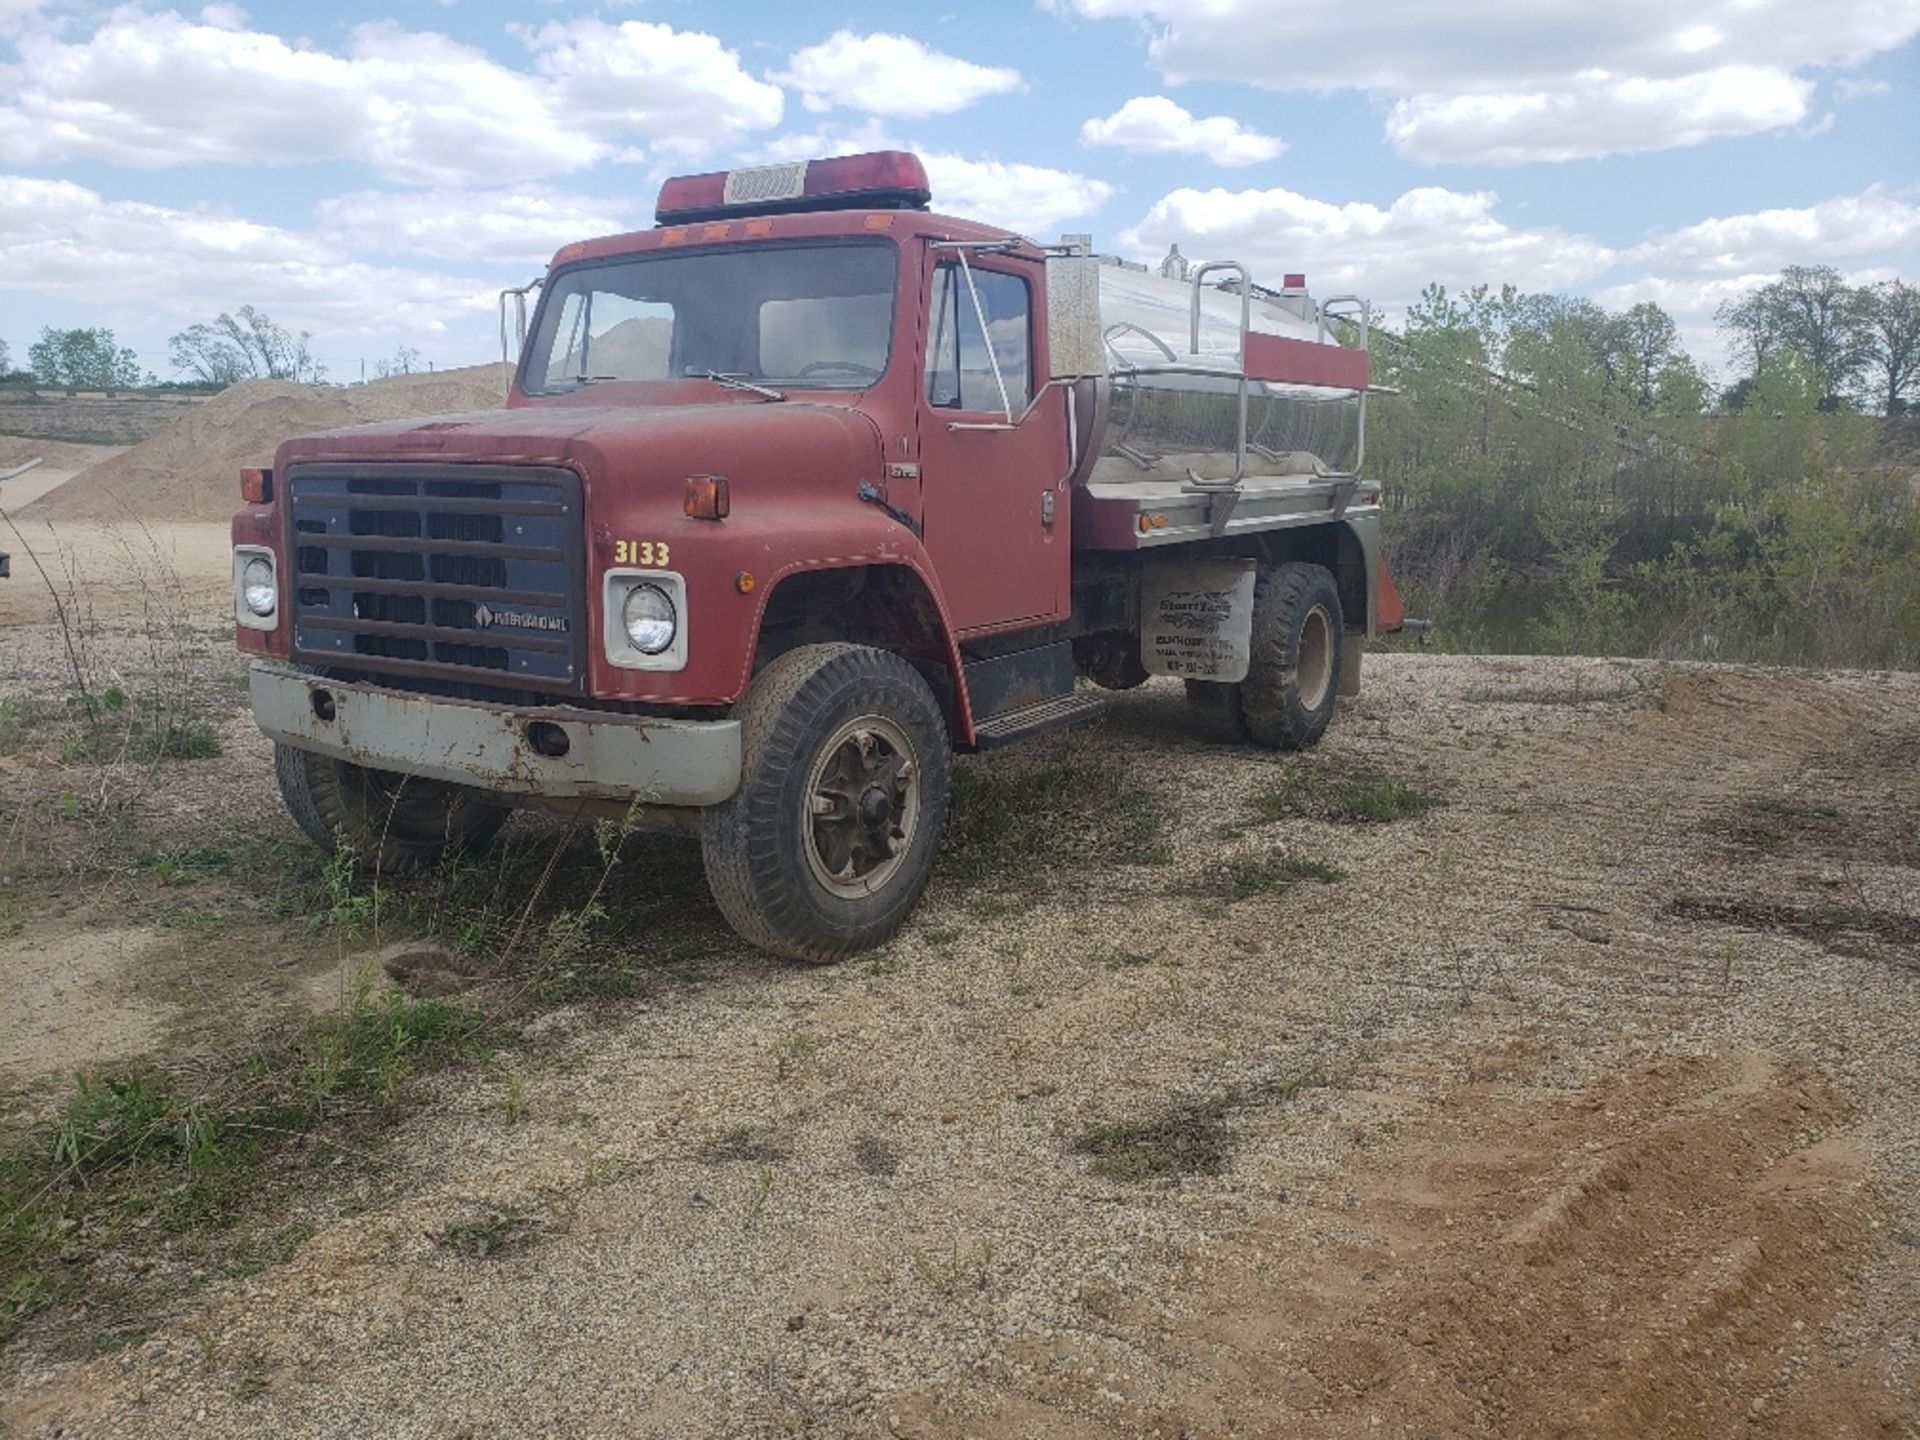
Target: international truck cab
[794, 496]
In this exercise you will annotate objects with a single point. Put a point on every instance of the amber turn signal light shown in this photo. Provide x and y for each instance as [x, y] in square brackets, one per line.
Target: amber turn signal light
[744, 582]
[707, 497]
[256, 486]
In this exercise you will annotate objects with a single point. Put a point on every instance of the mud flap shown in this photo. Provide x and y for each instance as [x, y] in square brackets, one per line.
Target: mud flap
[1196, 619]
[1353, 647]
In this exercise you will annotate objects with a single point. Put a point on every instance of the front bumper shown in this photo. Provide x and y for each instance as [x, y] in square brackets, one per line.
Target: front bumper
[608, 756]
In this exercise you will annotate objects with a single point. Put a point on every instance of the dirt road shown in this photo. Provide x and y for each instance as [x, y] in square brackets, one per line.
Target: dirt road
[1580, 1104]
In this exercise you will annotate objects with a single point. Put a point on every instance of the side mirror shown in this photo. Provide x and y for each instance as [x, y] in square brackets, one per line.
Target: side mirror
[1074, 346]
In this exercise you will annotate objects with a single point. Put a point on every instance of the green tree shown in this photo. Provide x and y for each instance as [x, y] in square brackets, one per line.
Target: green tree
[1811, 311]
[1892, 325]
[1643, 340]
[248, 344]
[88, 359]
[6, 361]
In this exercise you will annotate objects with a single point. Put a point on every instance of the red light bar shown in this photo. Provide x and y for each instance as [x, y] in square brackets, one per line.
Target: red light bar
[1294, 282]
[882, 180]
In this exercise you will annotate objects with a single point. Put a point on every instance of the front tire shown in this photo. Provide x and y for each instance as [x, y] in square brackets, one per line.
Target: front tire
[1293, 683]
[396, 824]
[830, 839]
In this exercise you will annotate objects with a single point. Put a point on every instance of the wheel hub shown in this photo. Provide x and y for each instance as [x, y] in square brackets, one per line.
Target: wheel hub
[863, 802]
[876, 807]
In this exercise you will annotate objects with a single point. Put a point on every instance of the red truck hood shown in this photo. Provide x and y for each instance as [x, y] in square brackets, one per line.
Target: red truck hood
[738, 439]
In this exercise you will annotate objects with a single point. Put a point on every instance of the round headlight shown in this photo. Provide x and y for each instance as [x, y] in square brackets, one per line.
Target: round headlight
[649, 618]
[257, 588]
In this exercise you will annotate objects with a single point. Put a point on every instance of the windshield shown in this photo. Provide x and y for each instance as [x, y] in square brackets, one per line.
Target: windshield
[813, 316]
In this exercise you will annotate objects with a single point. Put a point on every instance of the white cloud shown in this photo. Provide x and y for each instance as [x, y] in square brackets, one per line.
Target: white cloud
[1033, 200]
[1030, 199]
[1600, 79]
[890, 75]
[1844, 229]
[1607, 116]
[156, 89]
[1388, 252]
[522, 226]
[172, 267]
[683, 90]
[14, 14]
[1850, 89]
[828, 140]
[1154, 124]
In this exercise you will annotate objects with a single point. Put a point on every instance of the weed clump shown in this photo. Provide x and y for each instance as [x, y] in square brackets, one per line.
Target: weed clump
[494, 1233]
[1345, 797]
[1023, 829]
[135, 1152]
[1250, 875]
[1191, 1137]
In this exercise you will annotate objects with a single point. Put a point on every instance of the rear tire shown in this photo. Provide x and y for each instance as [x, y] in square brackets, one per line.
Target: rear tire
[1219, 700]
[1293, 683]
[830, 839]
[395, 824]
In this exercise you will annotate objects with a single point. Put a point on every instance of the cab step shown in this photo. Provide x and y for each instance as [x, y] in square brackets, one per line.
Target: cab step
[1011, 725]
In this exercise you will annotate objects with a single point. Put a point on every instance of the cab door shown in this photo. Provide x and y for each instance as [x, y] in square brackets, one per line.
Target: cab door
[993, 498]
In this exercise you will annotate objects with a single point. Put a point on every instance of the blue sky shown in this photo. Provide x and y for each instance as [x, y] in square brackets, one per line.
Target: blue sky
[374, 172]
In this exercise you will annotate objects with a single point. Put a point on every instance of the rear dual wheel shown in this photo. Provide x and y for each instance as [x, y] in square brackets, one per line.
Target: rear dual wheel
[1287, 700]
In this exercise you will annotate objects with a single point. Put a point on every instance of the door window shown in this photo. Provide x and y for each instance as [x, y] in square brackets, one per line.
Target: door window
[959, 372]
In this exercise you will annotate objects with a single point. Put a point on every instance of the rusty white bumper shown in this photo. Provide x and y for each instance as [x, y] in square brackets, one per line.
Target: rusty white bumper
[607, 756]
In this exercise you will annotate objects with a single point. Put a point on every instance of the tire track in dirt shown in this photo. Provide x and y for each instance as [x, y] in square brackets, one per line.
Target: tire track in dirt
[1657, 1254]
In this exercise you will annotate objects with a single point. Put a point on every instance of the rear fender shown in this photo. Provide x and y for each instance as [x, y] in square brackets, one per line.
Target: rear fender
[1349, 548]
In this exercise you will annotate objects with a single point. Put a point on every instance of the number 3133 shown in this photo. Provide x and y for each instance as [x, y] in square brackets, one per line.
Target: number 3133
[640, 552]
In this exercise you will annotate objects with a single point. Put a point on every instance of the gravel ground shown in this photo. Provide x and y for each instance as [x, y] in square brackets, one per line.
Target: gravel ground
[1582, 1105]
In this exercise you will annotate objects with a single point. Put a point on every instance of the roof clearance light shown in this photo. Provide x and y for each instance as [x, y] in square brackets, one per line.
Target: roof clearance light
[882, 180]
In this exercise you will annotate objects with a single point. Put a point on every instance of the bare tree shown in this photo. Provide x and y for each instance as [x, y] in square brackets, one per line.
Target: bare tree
[249, 343]
[1892, 324]
[404, 362]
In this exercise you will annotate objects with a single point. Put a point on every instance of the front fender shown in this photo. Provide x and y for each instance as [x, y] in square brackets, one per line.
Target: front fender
[769, 544]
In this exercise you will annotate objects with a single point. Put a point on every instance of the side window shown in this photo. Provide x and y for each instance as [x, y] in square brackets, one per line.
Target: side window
[959, 372]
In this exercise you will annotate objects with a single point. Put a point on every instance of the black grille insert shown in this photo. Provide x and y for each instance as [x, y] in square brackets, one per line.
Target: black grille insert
[409, 569]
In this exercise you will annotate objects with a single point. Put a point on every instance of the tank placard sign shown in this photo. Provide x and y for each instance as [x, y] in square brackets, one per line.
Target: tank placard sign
[1196, 619]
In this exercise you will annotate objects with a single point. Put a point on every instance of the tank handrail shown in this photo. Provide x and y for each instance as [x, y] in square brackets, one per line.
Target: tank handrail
[1246, 324]
[1121, 327]
[1366, 334]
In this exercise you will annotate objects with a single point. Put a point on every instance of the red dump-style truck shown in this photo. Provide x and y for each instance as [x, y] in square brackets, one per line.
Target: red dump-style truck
[794, 496]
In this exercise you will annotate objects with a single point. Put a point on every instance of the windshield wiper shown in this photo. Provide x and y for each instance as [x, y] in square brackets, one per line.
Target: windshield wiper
[740, 382]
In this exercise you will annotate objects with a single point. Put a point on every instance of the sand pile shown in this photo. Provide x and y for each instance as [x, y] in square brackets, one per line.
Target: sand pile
[190, 470]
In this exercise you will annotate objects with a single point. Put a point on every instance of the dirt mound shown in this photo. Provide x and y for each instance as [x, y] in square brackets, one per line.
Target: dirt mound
[53, 454]
[188, 471]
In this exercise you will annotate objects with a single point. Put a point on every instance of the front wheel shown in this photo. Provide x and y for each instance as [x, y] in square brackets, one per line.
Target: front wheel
[843, 795]
[396, 824]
